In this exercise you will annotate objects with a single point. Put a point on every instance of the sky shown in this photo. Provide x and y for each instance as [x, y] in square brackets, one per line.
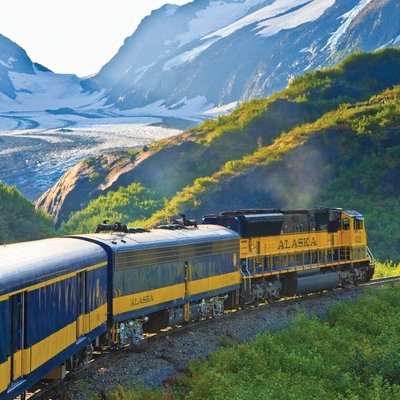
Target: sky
[73, 36]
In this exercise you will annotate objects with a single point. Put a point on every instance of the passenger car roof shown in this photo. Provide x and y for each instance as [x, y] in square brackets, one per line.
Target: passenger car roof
[161, 237]
[29, 263]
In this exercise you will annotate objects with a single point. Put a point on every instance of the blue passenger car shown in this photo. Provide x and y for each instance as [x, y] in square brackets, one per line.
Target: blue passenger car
[169, 271]
[53, 304]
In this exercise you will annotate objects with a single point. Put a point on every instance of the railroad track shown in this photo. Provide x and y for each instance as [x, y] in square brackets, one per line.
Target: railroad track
[40, 391]
[377, 281]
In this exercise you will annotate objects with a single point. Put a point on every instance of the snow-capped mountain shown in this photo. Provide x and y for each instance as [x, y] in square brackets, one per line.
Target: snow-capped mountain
[202, 57]
[12, 59]
[217, 52]
[26, 86]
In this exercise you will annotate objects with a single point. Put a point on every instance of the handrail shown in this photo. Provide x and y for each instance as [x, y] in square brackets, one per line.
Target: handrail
[371, 257]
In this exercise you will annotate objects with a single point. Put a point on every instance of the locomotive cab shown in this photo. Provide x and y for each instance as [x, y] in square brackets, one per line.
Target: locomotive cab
[352, 236]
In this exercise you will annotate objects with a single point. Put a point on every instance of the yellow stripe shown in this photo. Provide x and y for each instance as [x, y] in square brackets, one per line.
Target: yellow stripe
[5, 375]
[17, 364]
[80, 325]
[98, 316]
[52, 345]
[214, 282]
[151, 298]
[52, 281]
[26, 362]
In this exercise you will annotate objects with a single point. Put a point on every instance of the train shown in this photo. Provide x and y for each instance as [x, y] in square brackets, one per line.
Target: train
[61, 298]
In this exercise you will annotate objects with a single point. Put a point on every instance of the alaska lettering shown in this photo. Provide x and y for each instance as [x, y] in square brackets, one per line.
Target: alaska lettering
[295, 243]
[142, 300]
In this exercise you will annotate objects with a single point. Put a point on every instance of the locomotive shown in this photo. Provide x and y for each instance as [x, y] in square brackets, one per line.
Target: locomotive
[61, 297]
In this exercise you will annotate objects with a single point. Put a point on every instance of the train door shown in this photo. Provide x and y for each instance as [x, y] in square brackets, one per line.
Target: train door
[17, 305]
[346, 236]
[188, 279]
[81, 304]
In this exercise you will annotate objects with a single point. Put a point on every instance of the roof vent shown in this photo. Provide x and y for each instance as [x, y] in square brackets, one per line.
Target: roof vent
[116, 227]
[184, 222]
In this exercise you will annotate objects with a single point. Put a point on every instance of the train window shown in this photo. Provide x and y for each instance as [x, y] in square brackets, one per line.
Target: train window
[345, 224]
[358, 224]
[267, 263]
[314, 257]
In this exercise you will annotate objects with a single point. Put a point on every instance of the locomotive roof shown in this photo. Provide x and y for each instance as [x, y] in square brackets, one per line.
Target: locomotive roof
[354, 214]
[29, 263]
[161, 237]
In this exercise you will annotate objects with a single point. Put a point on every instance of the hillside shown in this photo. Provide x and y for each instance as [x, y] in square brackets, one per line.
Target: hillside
[348, 157]
[204, 150]
[19, 219]
[329, 139]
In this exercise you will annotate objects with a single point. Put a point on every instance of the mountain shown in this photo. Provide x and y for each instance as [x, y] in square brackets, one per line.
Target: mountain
[330, 138]
[210, 53]
[29, 87]
[14, 59]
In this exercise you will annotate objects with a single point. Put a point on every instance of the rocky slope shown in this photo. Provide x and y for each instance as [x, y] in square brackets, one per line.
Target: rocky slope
[211, 53]
[83, 182]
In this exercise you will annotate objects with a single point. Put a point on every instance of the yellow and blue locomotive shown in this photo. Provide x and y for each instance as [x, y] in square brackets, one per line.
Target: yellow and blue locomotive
[59, 298]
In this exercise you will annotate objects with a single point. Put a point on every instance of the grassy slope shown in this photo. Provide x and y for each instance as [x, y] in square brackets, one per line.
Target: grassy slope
[367, 134]
[19, 220]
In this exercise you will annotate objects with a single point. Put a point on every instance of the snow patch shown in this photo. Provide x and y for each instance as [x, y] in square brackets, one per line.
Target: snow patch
[307, 13]
[221, 110]
[43, 90]
[190, 109]
[187, 56]
[347, 19]
[273, 10]
[139, 72]
[217, 15]
[271, 19]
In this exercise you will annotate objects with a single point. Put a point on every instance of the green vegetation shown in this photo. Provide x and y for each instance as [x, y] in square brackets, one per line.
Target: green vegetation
[352, 354]
[126, 204]
[19, 220]
[388, 268]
